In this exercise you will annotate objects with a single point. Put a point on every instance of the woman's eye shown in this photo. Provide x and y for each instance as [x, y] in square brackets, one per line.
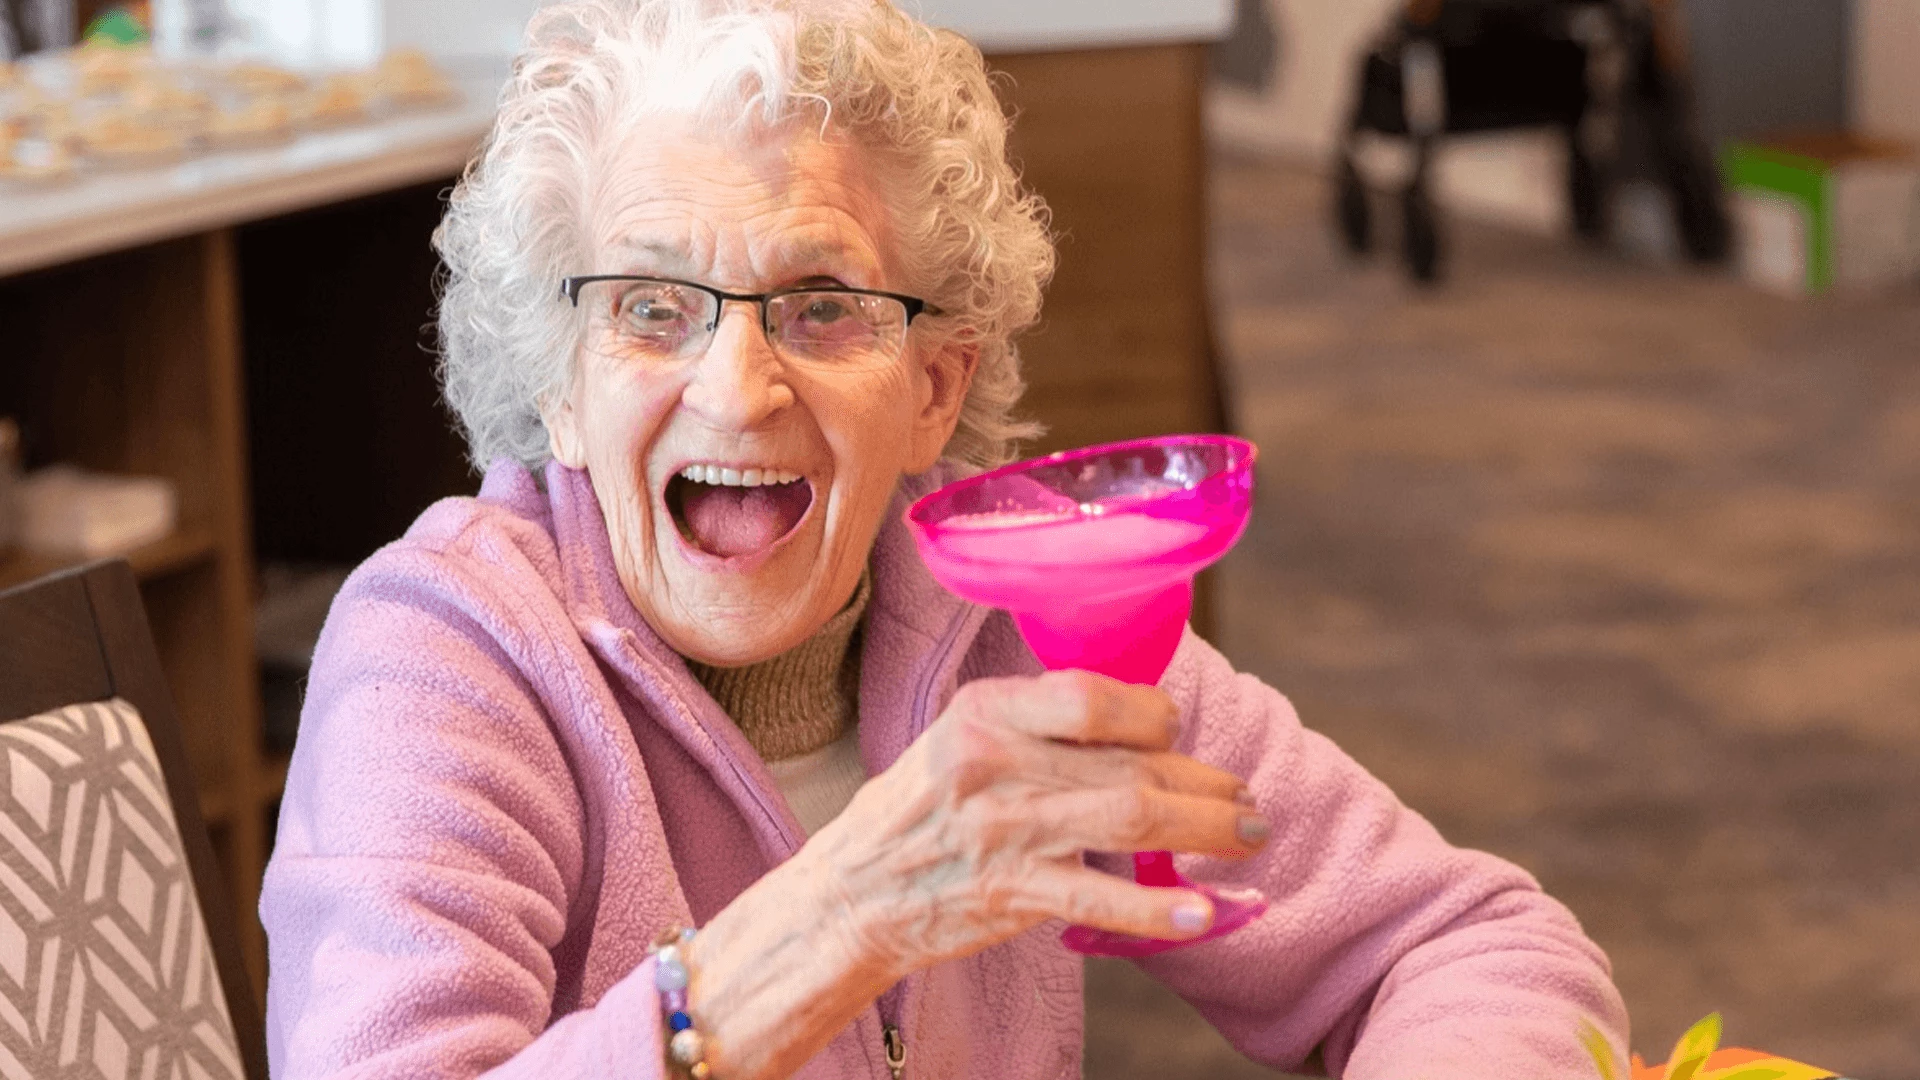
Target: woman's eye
[652, 311]
[823, 309]
[653, 317]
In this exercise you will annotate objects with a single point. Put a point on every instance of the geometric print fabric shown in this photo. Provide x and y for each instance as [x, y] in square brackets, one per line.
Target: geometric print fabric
[105, 968]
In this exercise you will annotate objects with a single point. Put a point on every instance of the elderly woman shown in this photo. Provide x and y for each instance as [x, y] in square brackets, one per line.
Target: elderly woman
[732, 281]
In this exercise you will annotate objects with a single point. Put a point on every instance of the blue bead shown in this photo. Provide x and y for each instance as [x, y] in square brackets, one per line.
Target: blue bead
[679, 1021]
[669, 975]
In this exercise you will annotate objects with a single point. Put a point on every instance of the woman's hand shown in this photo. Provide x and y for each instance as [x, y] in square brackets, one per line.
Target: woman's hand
[973, 836]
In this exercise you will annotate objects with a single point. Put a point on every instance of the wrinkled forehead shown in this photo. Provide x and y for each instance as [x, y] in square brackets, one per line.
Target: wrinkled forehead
[755, 205]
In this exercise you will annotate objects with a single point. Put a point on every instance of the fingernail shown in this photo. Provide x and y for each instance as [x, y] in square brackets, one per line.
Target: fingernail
[1243, 797]
[1253, 830]
[1192, 916]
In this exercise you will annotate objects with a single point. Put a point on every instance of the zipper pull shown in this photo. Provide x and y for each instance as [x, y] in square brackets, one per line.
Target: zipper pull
[896, 1050]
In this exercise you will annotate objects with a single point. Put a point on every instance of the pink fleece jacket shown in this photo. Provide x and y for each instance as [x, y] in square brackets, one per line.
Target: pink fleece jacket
[506, 785]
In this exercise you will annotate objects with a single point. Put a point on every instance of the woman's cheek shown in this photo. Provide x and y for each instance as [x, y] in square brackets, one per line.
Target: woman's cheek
[873, 423]
[627, 415]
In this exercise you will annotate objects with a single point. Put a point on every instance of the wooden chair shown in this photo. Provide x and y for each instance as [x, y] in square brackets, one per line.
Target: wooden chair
[78, 669]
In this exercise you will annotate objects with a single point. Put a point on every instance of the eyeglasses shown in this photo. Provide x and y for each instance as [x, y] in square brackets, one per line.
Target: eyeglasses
[662, 321]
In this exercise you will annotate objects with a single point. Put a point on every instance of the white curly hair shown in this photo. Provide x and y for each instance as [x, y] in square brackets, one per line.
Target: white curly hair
[972, 241]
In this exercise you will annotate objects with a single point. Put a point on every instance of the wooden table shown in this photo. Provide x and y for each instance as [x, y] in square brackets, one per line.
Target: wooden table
[250, 325]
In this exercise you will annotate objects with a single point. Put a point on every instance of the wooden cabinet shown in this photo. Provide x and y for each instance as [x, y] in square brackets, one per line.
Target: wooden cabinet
[1113, 140]
[130, 362]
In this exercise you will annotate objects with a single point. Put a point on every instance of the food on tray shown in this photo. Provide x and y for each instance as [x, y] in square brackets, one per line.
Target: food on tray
[409, 77]
[158, 102]
[339, 99]
[34, 160]
[105, 104]
[51, 120]
[129, 139]
[256, 78]
[104, 68]
[261, 120]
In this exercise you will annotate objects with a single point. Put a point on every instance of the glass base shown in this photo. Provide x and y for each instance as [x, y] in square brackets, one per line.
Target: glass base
[1232, 909]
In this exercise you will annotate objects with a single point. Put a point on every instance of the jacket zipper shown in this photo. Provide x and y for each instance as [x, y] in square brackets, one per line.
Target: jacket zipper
[896, 1047]
[942, 651]
[892, 1042]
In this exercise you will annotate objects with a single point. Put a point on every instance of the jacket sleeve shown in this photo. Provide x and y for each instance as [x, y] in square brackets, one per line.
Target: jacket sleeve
[429, 846]
[1397, 955]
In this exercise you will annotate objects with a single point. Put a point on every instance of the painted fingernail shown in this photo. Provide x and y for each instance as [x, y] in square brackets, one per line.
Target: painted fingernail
[1253, 830]
[1243, 797]
[1192, 916]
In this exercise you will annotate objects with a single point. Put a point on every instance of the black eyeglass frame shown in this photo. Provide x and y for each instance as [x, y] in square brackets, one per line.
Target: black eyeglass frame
[570, 290]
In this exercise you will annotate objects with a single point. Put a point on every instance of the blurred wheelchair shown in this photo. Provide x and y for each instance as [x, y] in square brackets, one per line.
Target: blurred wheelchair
[1597, 70]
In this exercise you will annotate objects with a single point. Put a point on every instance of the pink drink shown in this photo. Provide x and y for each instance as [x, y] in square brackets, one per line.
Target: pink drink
[1093, 552]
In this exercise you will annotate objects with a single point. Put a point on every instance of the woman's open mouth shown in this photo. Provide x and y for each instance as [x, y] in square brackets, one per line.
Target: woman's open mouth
[730, 513]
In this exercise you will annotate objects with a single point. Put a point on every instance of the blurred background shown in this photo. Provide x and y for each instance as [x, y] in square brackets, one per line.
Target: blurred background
[1579, 339]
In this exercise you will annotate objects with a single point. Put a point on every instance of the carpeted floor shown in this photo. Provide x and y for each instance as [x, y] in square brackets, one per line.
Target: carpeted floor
[1613, 570]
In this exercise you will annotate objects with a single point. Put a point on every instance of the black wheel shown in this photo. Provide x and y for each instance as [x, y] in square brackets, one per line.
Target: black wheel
[1422, 234]
[1698, 210]
[1586, 192]
[1351, 212]
[1699, 206]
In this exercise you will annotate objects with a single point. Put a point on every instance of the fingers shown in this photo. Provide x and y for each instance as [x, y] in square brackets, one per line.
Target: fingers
[1094, 767]
[1076, 706]
[1143, 819]
[1090, 898]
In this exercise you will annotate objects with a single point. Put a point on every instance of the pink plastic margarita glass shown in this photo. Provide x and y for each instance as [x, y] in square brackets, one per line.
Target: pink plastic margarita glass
[1093, 551]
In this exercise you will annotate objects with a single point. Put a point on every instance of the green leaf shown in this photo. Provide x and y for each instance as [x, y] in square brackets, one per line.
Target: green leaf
[1601, 1050]
[1685, 1069]
[1758, 1072]
[1701, 1040]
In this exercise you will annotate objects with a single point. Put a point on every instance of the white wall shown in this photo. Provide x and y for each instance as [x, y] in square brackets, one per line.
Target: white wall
[1514, 179]
[456, 27]
[1886, 67]
[1033, 25]
[468, 27]
[1301, 114]
[352, 33]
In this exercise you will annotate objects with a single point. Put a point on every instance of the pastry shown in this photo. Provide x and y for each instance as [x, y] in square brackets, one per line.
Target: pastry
[156, 95]
[252, 123]
[104, 68]
[340, 99]
[53, 121]
[34, 160]
[407, 77]
[129, 140]
[159, 102]
[252, 77]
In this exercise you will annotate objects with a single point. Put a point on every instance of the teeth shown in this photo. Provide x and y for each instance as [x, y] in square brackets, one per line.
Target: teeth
[715, 474]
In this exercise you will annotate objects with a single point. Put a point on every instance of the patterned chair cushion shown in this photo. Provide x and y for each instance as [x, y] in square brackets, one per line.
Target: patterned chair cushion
[105, 968]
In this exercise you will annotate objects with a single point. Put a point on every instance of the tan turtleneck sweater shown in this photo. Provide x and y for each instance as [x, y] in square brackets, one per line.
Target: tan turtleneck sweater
[798, 712]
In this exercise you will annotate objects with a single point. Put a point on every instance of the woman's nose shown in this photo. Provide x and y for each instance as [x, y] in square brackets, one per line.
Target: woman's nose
[740, 383]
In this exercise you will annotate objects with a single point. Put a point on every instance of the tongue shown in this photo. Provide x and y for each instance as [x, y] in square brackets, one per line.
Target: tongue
[731, 521]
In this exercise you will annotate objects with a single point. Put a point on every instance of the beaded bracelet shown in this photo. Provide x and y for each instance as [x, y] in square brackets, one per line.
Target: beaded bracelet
[686, 1046]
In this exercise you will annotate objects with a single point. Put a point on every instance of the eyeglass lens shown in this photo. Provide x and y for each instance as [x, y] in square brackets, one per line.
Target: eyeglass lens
[663, 321]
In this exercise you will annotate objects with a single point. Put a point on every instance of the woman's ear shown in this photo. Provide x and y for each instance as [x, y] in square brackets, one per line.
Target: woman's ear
[563, 431]
[945, 379]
